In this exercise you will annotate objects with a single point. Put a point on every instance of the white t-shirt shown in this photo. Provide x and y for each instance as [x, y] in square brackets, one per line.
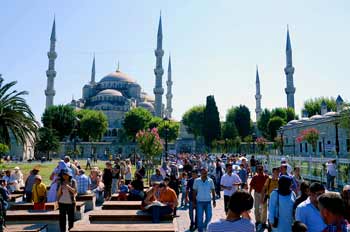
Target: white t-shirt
[242, 225]
[229, 181]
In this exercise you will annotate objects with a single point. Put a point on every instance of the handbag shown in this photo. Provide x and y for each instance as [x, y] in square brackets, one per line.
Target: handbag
[275, 219]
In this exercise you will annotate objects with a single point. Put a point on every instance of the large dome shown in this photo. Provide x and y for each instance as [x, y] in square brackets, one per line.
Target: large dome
[118, 76]
[110, 92]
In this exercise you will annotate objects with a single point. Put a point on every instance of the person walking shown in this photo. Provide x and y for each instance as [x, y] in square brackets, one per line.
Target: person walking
[237, 219]
[115, 175]
[229, 183]
[257, 184]
[66, 193]
[107, 180]
[331, 174]
[281, 206]
[203, 187]
[189, 199]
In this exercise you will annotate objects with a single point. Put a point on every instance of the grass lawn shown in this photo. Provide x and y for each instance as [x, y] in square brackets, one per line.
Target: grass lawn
[46, 168]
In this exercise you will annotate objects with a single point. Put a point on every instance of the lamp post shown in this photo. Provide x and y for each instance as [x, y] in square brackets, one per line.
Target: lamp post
[254, 138]
[337, 150]
[166, 125]
[323, 134]
[74, 135]
[294, 149]
[282, 142]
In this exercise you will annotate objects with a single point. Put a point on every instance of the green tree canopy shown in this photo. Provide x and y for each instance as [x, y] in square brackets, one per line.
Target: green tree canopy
[155, 122]
[240, 115]
[16, 117]
[279, 112]
[212, 126]
[61, 118]
[274, 124]
[135, 120]
[229, 130]
[173, 129]
[194, 120]
[265, 117]
[47, 142]
[93, 124]
[313, 106]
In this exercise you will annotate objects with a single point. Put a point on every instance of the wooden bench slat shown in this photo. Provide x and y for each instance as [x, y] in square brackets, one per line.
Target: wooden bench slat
[157, 227]
[123, 215]
[110, 205]
[29, 206]
[26, 228]
[25, 215]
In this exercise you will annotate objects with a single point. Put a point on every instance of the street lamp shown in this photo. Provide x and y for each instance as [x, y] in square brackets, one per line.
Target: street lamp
[323, 134]
[166, 125]
[254, 138]
[282, 142]
[74, 135]
[294, 148]
[337, 149]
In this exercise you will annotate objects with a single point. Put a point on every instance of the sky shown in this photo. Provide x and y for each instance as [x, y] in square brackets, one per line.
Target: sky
[215, 47]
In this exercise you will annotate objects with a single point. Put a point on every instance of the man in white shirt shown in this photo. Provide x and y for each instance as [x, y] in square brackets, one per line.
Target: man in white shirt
[331, 174]
[229, 183]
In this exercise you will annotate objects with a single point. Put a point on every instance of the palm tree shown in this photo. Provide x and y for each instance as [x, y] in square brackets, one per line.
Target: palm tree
[16, 117]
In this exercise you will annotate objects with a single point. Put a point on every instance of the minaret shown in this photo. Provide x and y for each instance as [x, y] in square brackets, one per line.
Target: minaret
[257, 96]
[158, 71]
[93, 72]
[51, 73]
[289, 71]
[169, 94]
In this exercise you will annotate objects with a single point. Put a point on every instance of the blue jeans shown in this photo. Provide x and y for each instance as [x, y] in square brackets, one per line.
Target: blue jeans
[203, 206]
[158, 211]
[191, 211]
[114, 185]
[183, 198]
[330, 182]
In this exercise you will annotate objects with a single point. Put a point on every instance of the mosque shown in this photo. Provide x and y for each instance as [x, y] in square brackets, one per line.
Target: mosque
[116, 93]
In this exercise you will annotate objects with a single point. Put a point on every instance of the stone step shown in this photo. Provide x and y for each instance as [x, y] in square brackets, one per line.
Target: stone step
[123, 215]
[115, 205]
[144, 227]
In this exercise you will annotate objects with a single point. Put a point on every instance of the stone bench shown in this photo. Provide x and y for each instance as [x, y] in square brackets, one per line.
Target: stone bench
[114, 205]
[27, 228]
[89, 200]
[142, 227]
[113, 216]
[115, 196]
[14, 198]
[29, 206]
[79, 210]
[17, 217]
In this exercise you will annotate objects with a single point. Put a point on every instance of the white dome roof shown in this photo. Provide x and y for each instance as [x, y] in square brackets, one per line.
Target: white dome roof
[118, 76]
[110, 92]
[329, 114]
[292, 122]
[146, 105]
[317, 116]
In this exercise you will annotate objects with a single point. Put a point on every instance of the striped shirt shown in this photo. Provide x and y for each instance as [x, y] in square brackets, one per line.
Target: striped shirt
[83, 183]
[231, 226]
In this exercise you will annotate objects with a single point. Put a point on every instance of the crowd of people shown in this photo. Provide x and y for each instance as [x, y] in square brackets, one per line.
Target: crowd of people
[282, 201]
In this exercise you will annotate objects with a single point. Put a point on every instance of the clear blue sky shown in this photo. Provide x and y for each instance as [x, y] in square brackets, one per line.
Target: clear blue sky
[215, 46]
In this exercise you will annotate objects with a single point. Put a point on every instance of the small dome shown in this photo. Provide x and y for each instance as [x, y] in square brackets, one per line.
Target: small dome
[147, 97]
[146, 105]
[118, 76]
[110, 92]
[315, 117]
[330, 114]
[292, 122]
[304, 119]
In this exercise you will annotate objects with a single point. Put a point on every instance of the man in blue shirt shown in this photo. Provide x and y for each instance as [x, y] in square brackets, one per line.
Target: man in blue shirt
[83, 182]
[308, 212]
[202, 187]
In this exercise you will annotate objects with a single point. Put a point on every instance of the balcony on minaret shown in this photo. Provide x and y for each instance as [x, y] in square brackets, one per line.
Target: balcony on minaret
[158, 90]
[159, 52]
[289, 70]
[51, 73]
[169, 95]
[52, 55]
[290, 90]
[50, 92]
[158, 71]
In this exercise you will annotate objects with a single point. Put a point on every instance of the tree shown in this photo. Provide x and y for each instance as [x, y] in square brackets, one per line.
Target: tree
[263, 121]
[173, 129]
[155, 122]
[149, 143]
[240, 115]
[311, 136]
[212, 128]
[274, 124]
[3, 150]
[229, 130]
[194, 120]
[93, 124]
[48, 141]
[261, 142]
[279, 112]
[61, 118]
[313, 106]
[290, 114]
[135, 120]
[16, 117]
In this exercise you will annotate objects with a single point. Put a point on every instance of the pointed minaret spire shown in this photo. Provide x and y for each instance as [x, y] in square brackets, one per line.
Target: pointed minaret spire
[169, 95]
[257, 96]
[289, 71]
[118, 67]
[158, 71]
[93, 72]
[51, 73]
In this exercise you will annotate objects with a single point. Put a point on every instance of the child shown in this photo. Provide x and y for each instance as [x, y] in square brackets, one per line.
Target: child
[183, 189]
[243, 174]
[39, 194]
[299, 227]
[123, 190]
